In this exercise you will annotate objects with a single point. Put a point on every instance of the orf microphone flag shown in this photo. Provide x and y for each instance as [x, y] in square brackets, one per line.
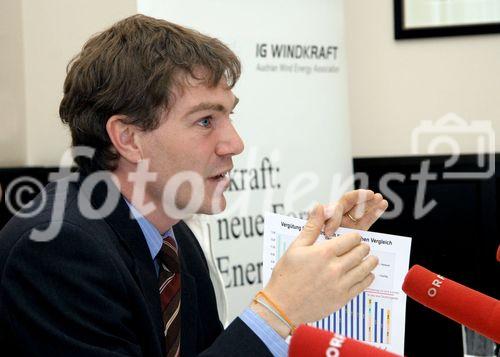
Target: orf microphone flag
[312, 342]
[468, 307]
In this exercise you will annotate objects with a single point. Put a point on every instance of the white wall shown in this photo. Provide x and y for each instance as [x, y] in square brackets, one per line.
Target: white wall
[393, 85]
[41, 37]
[54, 31]
[12, 105]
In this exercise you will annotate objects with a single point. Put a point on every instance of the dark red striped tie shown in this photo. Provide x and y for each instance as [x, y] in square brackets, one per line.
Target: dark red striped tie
[170, 295]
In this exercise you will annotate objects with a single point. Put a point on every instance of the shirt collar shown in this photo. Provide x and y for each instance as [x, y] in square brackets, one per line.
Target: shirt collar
[154, 238]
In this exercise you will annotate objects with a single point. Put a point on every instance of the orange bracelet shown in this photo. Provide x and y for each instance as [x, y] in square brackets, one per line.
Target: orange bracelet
[277, 308]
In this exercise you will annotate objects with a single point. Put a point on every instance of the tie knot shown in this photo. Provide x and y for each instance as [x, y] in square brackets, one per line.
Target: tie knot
[170, 242]
[169, 256]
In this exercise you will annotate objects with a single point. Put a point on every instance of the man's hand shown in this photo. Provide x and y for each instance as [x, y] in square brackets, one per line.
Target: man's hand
[359, 208]
[311, 281]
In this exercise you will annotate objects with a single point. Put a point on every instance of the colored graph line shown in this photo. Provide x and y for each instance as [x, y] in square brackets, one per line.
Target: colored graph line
[388, 339]
[370, 320]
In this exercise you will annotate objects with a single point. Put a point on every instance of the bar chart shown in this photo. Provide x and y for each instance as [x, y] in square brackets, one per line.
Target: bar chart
[364, 318]
[377, 315]
[367, 317]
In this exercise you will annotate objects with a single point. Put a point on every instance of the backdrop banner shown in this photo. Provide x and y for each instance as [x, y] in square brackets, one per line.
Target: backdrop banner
[292, 116]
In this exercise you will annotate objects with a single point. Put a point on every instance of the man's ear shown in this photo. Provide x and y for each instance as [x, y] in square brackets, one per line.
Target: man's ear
[124, 138]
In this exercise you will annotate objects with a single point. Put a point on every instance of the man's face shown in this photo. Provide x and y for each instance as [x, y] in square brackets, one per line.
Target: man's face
[195, 135]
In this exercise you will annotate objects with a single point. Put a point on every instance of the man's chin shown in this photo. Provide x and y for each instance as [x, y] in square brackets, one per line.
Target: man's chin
[215, 206]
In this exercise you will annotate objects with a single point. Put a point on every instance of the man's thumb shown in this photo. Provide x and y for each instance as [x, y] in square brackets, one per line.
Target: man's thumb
[312, 228]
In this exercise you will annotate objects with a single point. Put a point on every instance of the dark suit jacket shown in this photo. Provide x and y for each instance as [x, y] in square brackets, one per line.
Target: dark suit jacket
[93, 289]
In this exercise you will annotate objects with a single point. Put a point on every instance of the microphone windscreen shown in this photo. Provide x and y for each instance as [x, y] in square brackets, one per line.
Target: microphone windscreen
[464, 305]
[312, 342]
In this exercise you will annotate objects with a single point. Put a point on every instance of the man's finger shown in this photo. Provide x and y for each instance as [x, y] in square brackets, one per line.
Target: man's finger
[355, 256]
[360, 209]
[352, 198]
[371, 216]
[312, 228]
[344, 243]
[358, 288]
[333, 214]
[361, 271]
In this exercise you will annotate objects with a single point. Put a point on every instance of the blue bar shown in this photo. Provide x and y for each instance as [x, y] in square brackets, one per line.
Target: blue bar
[357, 317]
[335, 322]
[364, 316]
[329, 326]
[323, 324]
[340, 322]
[376, 315]
[345, 320]
[352, 318]
[382, 326]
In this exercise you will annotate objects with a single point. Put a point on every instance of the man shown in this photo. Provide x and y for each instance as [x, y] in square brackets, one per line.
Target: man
[108, 268]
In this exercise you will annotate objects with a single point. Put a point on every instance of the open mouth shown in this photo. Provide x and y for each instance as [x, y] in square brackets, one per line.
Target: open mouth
[220, 176]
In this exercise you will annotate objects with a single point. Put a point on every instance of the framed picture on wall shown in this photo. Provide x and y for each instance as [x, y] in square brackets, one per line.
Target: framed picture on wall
[436, 18]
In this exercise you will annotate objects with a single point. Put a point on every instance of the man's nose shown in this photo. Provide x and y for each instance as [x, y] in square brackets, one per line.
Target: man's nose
[230, 142]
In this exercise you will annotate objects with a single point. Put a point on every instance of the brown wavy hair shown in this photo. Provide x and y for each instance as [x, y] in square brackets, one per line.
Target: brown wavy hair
[131, 69]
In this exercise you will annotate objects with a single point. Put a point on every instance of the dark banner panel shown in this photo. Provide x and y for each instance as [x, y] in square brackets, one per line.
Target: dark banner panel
[18, 186]
[457, 238]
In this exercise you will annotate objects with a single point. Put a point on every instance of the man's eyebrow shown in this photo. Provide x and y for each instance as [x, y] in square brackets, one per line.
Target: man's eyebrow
[212, 106]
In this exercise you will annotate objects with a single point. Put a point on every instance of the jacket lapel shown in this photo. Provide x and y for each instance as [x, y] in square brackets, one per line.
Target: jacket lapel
[189, 297]
[130, 234]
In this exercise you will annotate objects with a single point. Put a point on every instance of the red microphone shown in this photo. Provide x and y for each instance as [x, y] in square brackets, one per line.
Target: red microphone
[468, 307]
[498, 253]
[312, 342]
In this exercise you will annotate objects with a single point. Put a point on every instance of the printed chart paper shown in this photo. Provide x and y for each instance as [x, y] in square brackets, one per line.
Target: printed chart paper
[377, 315]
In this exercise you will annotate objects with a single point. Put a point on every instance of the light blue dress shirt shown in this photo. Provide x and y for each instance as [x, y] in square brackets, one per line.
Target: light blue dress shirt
[154, 239]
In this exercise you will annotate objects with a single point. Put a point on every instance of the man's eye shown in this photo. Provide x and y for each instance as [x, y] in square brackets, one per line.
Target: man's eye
[205, 122]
